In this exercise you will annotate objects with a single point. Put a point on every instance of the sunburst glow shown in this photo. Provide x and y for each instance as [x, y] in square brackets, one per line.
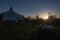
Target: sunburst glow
[46, 17]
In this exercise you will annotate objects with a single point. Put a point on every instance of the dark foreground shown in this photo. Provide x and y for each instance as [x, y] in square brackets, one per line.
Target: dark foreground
[39, 35]
[26, 31]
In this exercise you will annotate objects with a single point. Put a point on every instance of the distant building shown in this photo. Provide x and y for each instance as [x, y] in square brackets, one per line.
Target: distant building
[11, 15]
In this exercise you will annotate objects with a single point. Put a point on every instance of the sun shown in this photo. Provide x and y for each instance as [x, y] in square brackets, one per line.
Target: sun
[46, 17]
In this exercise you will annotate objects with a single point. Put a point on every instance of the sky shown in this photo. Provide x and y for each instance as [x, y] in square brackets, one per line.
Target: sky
[32, 7]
